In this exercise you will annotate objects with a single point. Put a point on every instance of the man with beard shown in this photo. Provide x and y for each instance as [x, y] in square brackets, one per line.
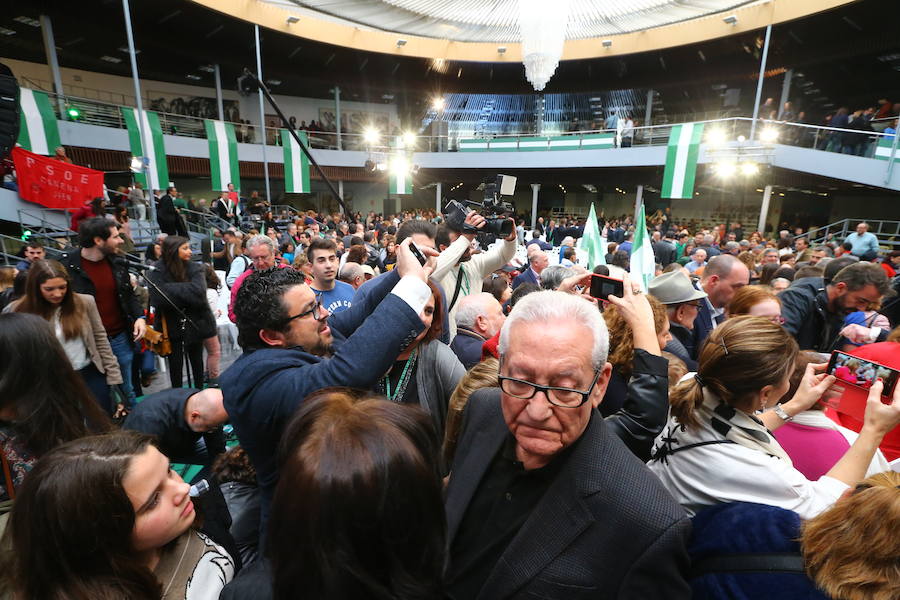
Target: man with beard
[814, 315]
[292, 347]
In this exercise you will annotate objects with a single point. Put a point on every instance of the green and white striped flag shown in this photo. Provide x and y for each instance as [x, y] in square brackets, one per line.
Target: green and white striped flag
[643, 263]
[296, 165]
[38, 131]
[681, 160]
[883, 150]
[591, 241]
[223, 155]
[156, 149]
[400, 177]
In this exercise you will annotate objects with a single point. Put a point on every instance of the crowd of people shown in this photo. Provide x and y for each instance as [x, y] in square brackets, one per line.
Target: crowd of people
[423, 410]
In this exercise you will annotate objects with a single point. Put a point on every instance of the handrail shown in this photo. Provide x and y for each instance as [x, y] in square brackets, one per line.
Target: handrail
[841, 229]
[210, 220]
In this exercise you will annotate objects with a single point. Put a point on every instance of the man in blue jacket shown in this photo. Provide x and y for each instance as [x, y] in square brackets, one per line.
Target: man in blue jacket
[293, 347]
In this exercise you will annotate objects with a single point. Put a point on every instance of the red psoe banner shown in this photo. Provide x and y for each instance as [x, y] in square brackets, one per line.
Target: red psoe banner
[53, 183]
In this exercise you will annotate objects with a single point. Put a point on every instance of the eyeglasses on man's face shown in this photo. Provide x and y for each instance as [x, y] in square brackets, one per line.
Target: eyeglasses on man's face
[316, 311]
[557, 396]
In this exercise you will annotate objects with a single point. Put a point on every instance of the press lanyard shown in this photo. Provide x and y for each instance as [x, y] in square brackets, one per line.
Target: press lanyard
[403, 381]
[465, 280]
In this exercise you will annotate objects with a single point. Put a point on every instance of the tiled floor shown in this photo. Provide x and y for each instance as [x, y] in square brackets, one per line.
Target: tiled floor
[161, 382]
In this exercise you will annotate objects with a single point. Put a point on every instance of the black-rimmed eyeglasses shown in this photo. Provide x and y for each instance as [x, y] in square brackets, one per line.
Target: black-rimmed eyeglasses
[316, 311]
[557, 396]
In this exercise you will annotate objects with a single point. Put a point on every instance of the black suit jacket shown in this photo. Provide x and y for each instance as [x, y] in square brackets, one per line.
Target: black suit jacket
[166, 215]
[702, 327]
[605, 528]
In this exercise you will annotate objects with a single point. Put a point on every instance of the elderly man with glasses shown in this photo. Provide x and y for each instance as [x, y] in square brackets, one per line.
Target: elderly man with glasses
[293, 347]
[544, 498]
[682, 302]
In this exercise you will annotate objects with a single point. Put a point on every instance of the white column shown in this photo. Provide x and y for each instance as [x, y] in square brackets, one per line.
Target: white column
[218, 75]
[139, 105]
[638, 198]
[764, 209]
[648, 114]
[50, 51]
[785, 91]
[535, 188]
[262, 116]
[759, 81]
[341, 193]
[337, 116]
[438, 193]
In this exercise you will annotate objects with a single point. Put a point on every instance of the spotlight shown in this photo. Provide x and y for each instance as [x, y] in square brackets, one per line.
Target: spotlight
[768, 135]
[742, 138]
[137, 164]
[501, 49]
[606, 43]
[399, 165]
[438, 103]
[371, 136]
[409, 139]
[401, 42]
[293, 19]
[73, 112]
[716, 137]
[726, 169]
[369, 165]
[731, 20]
[381, 166]
[749, 168]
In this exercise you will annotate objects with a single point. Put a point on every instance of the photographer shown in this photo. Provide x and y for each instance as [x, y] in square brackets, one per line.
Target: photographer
[465, 272]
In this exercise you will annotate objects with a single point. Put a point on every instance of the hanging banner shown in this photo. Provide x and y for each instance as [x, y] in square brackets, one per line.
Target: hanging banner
[223, 155]
[883, 149]
[158, 171]
[296, 165]
[38, 130]
[399, 166]
[54, 183]
[681, 160]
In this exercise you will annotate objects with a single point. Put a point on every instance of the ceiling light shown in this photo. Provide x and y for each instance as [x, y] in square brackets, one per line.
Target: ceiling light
[726, 169]
[409, 139]
[742, 138]
[273, 81]
[371, 135]
[399, 165]
[5, 31]
[731, 20]
[293, 19]
[124, 50]
[401, 42]
[607, 43]
[749, 168]
[28, 21]
[192, 76]
[207, 68]
[716, 137]
[438, 103]
[111, 59]
[501, 49]
[768, 135]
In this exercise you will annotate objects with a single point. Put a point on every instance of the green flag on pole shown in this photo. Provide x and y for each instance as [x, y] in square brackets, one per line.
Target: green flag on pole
[592, 242]
[399, 165]
[643, 263]
[296, 165]
[223, 155]
[156, 148]
[38, 130]
[681, 160]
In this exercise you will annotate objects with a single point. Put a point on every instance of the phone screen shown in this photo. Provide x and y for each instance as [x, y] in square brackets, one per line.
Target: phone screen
[602, 287]
[862, 373]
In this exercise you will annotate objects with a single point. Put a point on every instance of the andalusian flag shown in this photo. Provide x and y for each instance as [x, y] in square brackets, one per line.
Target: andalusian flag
[38, 131]
[296, 165]
[401, 178]
[681, 160]
[156, 149]
[223, 155]
[643, 263]
[592, 243]
[882, 151]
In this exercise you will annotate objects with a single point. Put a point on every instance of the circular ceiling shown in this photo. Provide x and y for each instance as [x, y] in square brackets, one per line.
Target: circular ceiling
[497, 20]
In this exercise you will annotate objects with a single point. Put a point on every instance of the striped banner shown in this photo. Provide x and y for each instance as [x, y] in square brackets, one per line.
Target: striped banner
[531, 144]
[38, 130]
[565, 142]
[156, 150]
[223, 155]
[883, 150]
[504, 145]
[600, 140]
[400, 178]
[296, 165]
[681, 160]
[643, 263]
[471, 145]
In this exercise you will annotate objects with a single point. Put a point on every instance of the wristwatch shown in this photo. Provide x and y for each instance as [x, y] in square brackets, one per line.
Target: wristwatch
[782, 414]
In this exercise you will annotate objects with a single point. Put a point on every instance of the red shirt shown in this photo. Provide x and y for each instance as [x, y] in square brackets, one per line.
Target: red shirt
[107, 299]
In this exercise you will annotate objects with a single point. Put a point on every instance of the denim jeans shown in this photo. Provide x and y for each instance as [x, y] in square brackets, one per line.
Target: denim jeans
[123, 348]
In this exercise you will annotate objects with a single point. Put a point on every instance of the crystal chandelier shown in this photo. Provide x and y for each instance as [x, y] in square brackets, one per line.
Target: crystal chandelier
[542, 27]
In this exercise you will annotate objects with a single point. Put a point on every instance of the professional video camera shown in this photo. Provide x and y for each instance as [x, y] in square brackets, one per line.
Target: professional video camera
[495, 210]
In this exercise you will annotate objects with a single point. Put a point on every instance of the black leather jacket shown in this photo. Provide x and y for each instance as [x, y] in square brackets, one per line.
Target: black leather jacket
[646, 407]
[128, 303]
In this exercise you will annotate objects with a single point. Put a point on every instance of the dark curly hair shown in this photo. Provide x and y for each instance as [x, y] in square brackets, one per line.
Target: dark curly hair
[259, 304]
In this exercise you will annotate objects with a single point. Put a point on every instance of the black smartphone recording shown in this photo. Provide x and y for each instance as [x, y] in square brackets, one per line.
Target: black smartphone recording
[602, 287]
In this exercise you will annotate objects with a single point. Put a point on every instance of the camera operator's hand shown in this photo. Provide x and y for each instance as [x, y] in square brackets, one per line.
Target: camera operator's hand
[408, 264]
[512, 236]
[475, 220]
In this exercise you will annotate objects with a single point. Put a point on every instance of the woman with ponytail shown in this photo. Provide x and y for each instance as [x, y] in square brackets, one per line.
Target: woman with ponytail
[718, 447]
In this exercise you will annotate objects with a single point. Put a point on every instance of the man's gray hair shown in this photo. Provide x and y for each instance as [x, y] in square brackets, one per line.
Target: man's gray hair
[260, 240]
[471, 307]
[553, 308]
[553, 275]
[350, 272]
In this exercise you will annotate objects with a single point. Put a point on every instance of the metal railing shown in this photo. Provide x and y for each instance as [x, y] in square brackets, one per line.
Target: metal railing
[887, 232]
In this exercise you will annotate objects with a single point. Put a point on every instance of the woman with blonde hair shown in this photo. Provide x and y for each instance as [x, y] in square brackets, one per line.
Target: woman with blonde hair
[77, 325]
[482, 375]
[756, 301]
[718, 447]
